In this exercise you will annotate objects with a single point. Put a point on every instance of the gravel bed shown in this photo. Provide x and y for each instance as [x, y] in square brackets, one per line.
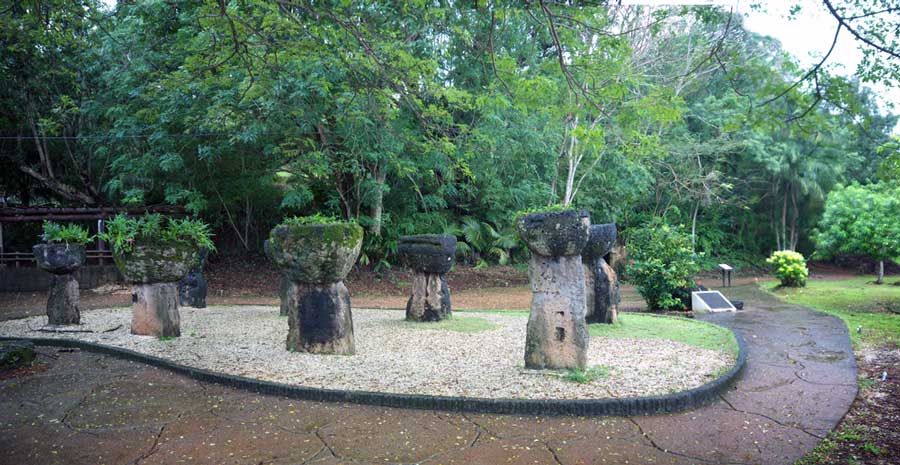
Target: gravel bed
[392, 356]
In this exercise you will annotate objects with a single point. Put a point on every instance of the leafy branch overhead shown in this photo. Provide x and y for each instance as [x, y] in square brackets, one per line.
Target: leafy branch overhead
[422, 117]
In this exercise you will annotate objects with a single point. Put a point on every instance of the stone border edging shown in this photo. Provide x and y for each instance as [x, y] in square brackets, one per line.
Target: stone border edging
[629, 406]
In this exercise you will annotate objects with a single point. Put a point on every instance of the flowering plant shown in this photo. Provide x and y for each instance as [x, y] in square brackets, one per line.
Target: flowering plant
[789, 267]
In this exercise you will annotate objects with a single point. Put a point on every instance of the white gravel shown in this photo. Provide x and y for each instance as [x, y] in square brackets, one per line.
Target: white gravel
[392, 356]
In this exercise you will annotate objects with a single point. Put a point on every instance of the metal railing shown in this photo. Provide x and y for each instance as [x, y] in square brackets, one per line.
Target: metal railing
[26, 259]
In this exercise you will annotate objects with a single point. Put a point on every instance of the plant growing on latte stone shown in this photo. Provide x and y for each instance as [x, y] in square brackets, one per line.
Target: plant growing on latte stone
[430, 256]
[61, 254]
[600, 281]
[315, 254]
[556, 335]
[154, 253]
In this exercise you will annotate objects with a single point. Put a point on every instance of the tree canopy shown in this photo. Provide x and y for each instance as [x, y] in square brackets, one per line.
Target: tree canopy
[428, 117]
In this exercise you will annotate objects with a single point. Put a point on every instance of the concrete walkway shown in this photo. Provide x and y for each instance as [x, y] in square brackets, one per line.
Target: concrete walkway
[91, 409]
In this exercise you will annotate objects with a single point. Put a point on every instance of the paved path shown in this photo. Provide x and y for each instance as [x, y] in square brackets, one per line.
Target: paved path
[92, 409]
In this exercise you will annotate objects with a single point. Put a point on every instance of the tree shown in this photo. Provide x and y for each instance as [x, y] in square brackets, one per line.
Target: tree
[862, 219]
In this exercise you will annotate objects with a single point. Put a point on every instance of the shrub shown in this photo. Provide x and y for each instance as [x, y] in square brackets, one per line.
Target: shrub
[68, 234]
[661, 264]
[316, 218]
[122, 231]
[789, 267]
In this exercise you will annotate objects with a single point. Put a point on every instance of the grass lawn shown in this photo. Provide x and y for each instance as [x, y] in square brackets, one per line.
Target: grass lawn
[691, 332]
[460, 324]
[646, 326]
[857, 302]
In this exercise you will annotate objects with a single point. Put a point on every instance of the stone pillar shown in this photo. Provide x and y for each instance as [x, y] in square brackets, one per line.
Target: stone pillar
[314, 259]
[430, 299]
[155, 310]
[192, 289]
[322, 322]
[601, 283]
[431, 257]
[288, 295]
[62, 304]
[556, 336]
[154, 269]
[61, 260]
[557, 332]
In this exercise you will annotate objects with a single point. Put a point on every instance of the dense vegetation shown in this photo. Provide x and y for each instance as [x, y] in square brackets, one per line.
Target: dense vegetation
[422, 117]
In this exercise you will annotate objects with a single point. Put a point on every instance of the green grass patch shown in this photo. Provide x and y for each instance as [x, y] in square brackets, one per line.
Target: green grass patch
[856, 301]
[456, 323]
[587, 376]
[691, 332]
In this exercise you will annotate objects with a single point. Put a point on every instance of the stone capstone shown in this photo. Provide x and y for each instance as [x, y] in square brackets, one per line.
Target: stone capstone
[601, 240]
[58, 258]
[321, 321]
[155, 310]
[556, 336]
[62, 302]
[315, 253]
[555, 233]
[429, 253]
[192, 289]
[156, 262]
[14, 354]
[430, 299]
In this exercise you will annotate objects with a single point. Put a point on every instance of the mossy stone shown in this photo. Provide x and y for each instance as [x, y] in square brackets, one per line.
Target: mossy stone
[555, 234]
[601, 240]
[59, 258]
[156, 261]
[315, 253]
[429, 253]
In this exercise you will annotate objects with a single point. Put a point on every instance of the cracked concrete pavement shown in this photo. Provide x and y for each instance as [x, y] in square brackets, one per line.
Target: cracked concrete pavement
[87, 408]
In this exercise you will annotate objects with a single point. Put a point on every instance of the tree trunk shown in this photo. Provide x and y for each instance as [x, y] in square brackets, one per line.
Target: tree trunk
[880, 272]
[694, 228]
[784, 204]
[378, 207]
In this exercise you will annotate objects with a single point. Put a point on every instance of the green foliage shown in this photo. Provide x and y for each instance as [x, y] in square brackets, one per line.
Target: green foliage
[396, 115]
[586, 376]
[789, 267]
[557, 207]
[889, 169]
[861, 219]
[661, 262]
[68, 234]
[122, 231]
[316, 218]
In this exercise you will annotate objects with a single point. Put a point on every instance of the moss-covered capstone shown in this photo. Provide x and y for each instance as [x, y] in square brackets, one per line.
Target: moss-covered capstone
[315, 253]
[601, 240]
[429, 253]
[156, 261]
[59, 258]
[555, 234]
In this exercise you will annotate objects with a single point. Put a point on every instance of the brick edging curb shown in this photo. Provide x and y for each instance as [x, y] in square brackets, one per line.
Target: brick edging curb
[669, 403]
